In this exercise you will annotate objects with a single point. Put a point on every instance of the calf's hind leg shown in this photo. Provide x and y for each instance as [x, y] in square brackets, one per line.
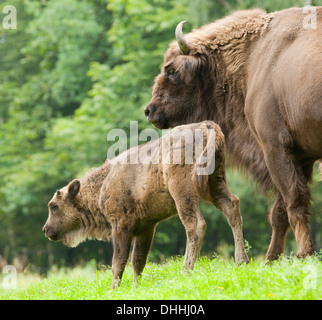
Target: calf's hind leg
[228, 203]
[187, 205]
[195, 226]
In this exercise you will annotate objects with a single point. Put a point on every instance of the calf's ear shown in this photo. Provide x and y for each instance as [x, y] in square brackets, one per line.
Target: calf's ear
[73, 189]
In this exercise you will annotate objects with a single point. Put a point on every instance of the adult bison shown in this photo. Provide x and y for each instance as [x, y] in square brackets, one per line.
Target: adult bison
[259, 76]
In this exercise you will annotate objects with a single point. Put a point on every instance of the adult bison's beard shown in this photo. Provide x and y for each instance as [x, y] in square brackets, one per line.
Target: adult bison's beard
[162, 122]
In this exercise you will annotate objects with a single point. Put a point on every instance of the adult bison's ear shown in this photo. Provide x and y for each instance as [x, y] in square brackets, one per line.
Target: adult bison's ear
[73, 189]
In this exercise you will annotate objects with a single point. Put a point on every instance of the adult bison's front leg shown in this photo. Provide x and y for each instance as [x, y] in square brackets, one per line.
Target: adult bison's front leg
[291, 181]
[289, 175]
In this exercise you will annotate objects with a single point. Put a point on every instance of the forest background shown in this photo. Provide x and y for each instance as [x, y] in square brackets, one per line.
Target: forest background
[70, 72]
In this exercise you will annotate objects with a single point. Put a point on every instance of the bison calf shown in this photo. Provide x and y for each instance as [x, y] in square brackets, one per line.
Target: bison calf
[125, 199]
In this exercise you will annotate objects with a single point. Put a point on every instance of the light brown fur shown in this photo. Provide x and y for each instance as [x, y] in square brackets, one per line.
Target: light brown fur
[125, 202]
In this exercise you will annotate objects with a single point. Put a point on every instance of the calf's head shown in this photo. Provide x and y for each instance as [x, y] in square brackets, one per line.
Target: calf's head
[64, 220]
[183, 88]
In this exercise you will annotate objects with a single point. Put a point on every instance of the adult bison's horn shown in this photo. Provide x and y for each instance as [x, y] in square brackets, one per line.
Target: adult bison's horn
[183, 45]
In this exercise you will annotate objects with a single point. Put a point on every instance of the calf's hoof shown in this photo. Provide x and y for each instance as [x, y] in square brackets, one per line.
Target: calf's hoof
[242, 260]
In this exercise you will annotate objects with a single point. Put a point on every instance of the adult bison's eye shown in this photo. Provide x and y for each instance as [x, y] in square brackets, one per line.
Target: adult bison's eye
[171, 73]
[54, 208]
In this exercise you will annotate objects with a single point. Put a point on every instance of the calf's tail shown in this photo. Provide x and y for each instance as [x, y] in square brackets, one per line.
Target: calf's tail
[206, 163]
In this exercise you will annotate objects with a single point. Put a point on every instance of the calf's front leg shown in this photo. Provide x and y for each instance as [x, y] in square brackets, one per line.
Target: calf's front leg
[141, 247]
[121, 250]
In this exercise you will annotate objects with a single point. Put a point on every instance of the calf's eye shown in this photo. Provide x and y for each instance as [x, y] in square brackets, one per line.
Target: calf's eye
[54, 208]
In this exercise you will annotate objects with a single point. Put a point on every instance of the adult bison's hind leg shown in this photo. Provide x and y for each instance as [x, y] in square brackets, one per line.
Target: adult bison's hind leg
[278, 220]
[291, 180]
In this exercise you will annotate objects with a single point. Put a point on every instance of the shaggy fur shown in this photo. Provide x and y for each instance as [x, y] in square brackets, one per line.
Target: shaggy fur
[125, 201]
[258, 76]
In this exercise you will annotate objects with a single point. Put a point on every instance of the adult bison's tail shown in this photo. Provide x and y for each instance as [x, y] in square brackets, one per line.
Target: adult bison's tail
[211, 145]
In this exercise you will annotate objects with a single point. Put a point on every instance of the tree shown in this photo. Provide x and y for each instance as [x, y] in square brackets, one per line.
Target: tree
[47, 80]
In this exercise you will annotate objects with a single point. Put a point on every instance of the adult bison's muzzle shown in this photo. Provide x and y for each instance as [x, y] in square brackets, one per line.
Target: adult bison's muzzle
[157, 118]
[150, 113]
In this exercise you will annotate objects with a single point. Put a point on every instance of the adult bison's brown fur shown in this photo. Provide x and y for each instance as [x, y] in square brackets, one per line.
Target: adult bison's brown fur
[124, 200]
[259, 76]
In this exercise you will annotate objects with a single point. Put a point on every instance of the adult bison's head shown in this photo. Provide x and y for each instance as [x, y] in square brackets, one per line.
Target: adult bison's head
[64, 221]
[183, 89]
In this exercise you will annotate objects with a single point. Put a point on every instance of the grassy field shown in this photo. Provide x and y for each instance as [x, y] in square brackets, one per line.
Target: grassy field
[288, 278]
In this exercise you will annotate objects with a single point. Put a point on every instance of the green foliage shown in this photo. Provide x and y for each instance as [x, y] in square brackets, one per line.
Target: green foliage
[72, 71]
[286, 279]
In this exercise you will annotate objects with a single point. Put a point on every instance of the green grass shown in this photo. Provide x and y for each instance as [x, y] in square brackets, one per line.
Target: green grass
[288, 278]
